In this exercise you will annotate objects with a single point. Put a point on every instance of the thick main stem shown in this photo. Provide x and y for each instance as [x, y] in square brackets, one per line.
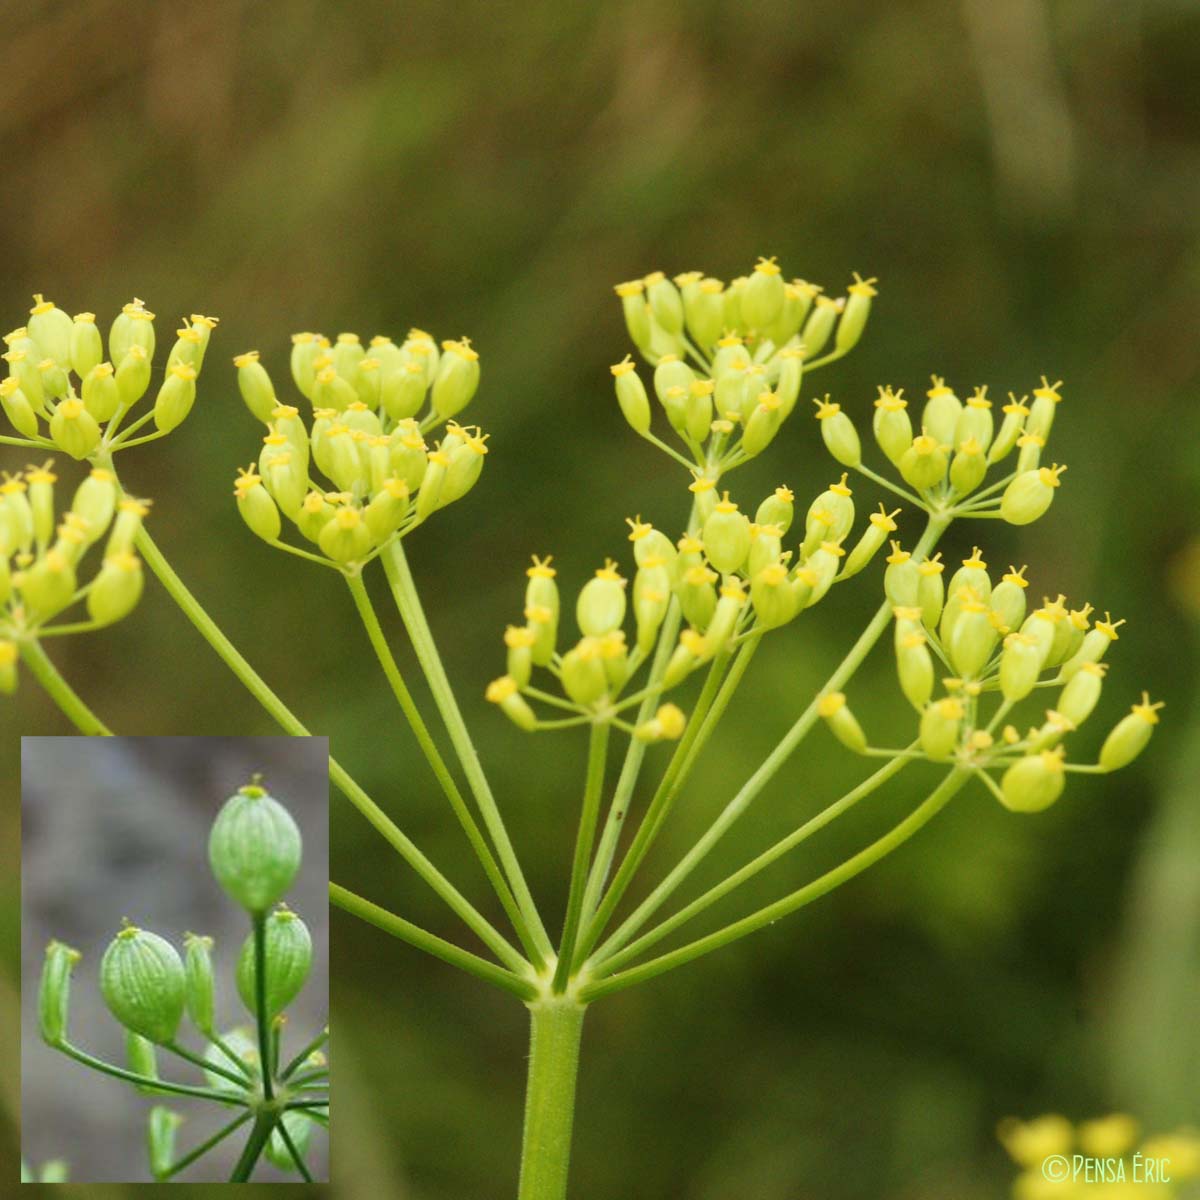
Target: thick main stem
[261, 1016]
[61, 692]
[556, 1028]
[256, 1143]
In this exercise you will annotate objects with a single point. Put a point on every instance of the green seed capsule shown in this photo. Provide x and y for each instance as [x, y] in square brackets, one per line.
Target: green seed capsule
[939, 729]
[1015, 413]
[133, 375]
[1079, 697]
[820, 571]
[842, 722]
[198, 976]
[463, 470]
[763, 423]
[346, 537]
[968, 466]
[667, 725]
[1020, 666]
[131, 513]
[666, 304]
[54, 996]
[542, 608]
[1131, 735]
[698, 413]
[142, 1059]
[838, 433]
[923, 464]
[704, 310]
[766, 548]
[299, 1127]
[1030, 495]
[901, 578]
[931, 590]
[86, 346]
[50, 328]
[914, 666]
[601, 604]
[101, 396]
[650, 546]
[777, 509]
[939, 418]
[975, 422]
[175, 398]
[142, 982]
[583, 675]
[854, 319]
[402, 390]
[117, 588]
[289, 960]
[1008, 598]
[727, 537]
[387, 510]
[651, 599]
[631, 395]
[635, 311]
[254, 848]
[17, 407]
[49, 585]
[1046, 400]
[763, 295]
[306, 348]
[820, 324]
[1094, 646]
[972, 639]
[457, 378]
[504, 692]
[1033, 783]
[255, 385]
[775, 602]
[255, 505]
[244, 1044]
[519, 640]
[74, 430]
[95, 501]
[160, 1139]
[8, 656]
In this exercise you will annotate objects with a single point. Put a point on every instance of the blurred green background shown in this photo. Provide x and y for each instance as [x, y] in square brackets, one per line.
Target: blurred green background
[1023, 179]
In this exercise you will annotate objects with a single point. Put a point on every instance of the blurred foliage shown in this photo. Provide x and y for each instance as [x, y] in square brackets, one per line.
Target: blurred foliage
[1021, 176]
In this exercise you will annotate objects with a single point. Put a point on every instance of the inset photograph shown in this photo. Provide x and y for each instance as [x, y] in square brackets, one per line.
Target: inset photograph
[175, 962]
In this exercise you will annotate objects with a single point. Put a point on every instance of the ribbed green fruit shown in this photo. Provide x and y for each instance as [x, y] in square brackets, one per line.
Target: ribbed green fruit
[254, 848]
[142, 982]
[289, 959]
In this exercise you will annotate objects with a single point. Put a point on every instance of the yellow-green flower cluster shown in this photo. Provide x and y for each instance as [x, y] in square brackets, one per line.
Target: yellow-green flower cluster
[731, 578]
[729, 360]
[1106, 1157]
[980, 638]
[945, 458]
[42, 553]
[360, 471]
[62, 392]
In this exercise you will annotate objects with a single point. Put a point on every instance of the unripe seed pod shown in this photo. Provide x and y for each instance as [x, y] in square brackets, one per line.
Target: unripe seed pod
[402, 390]
[631, 395]
[775, 602]
[635, 311]
[387, 510]
[972, 639]
[116, 589]
[1020, 666]
[50, 328]
[54, 995]
[869, 544]
[255, 504]
[704, 310]
[838, 433]
[651, 599]
[727, 537]
[289, 960]
[854, 318]
[914, 666]
[939, 418]
[505, 692]
[891, 425]
[698, 595]
[666, 304]
[650, 544]
[142, 1058]
[691, 651]
[841, 721]
[23, 369]
[940, 725]
[306, 347]
[255, 386]
[133, 327]
[175, 398]
[346, 537]
[74, 429]
[101, 396]
[187, 349]
[299, 1127]
[86, 346]
[766, 548]
[160, 1139]
[829, 517]
[1131, 735]
[923, 464]
[698, 409]
[199, 994]
[723, 624]
[820, 324]
[254, 848]
[1030, 457]
[133, 375]
[41, 481]
[1008, 598]
[601, 604]
[976, 421]
[17, 407]
[1094, 646]
[762, 297]
[583, 676]
[931, 590]
[1033, 783]
[1030, 495]
[763, 424]
[347, 353]
[669, 374]
[1065, 630]
[457, 378]
[54, 379]
[1046, 400]
[902, 577]
[667, 724]
[791, 374]
[969, 465]
[541, 600]
[704, 498]
[142, 982]
[95, 501]
[463, 469]
[330, 390]
[1015, 413]
[519, 640]
[244, 1045]
[820, 571]
[1079, 697]
[48, 586]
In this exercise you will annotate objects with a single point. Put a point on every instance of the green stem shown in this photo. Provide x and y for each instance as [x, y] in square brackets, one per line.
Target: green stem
[776, 759]
[556, 1028]
[612, 959]
[930, 807]
[145, 1081]
[61, 692]
[260, 1134]
[230, 1054]
[204, 1064]
[294, 1153]
[584, 841]
[317, 1042]
[391, 670]
[408, 603]
[261, 1017]
[204, 1147]
[381, 918]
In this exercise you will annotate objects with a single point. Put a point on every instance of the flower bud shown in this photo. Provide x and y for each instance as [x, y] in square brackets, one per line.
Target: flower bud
[914, 667]
[1020, 666]
[142, 1058]
[160, 1139]
[841, 721]
[939, 418]
[142, 982]
[116, 589]
[133, 375]
[902, 577]
[1011, 427]
[1131, 735]
[254, 848]
[854, 318]
[457, 378]
[838, 433]
[199, 988]
[17, 407]
[727, 537]
[299, 1127]
[54, 996]
[666, 304]
[635, 311]
[923, 464]
[819, 325]
[504, 692]
[940, 725]
[763, 424]
[541, 598]
[1046, 400]
[931, 590]
[583, 675]
[289, 960]
[667, 724]
[1033, 783]
[631, 395]
[74, 429]
[892, 428]
[86, 349]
